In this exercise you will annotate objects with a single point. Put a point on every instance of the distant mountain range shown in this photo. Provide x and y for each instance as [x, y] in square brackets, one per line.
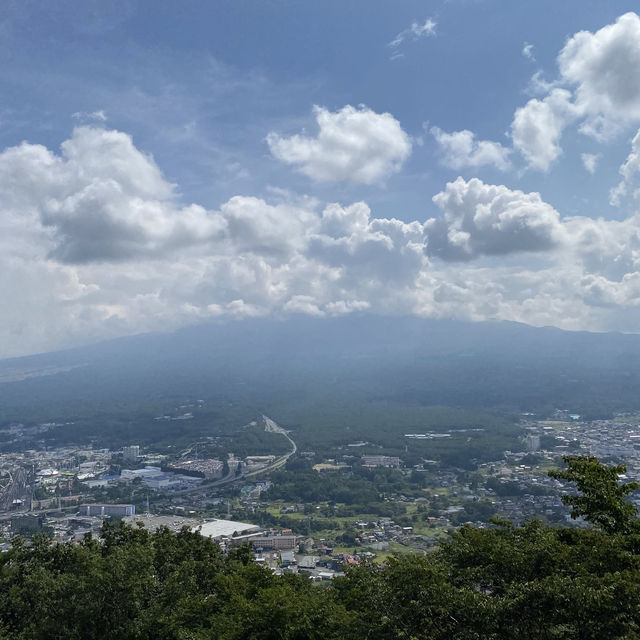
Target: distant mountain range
[396, 359]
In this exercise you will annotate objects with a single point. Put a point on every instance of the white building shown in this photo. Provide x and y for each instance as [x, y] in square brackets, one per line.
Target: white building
[217, 529]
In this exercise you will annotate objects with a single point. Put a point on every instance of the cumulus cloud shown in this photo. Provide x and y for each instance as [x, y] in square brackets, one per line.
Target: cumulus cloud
[255, 226]
[387, 250]
[480, 219]
[598, 86]
[608, 248]
[100, 241]
[604, 68]
[460, 149]
[353, 144]
[101, 198]
[537, 127]
[95, 243]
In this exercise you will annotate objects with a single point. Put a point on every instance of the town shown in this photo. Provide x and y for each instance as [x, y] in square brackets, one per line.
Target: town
[68, 492]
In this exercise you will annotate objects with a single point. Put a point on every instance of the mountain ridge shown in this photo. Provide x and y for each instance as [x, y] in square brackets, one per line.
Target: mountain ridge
[408, 359]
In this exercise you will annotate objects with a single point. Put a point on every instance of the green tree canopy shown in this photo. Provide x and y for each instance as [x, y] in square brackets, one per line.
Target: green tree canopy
[602, 499]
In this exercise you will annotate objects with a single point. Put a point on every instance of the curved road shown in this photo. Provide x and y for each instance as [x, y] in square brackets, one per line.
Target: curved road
[269, 425]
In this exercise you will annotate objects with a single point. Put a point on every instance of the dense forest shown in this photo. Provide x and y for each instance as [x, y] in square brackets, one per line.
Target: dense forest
[504, 582]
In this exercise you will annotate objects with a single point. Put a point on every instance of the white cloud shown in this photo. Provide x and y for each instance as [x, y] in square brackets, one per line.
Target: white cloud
[629, 171]
[480, 219]
[537, 127]
[608, 248]
[604, 67]
[460, 149]
[495, 252]
[590, 161]
[95, 244]
[414, 32]
[342, 307]
[386, 250]
[356, 145]
[303, 304]
[527, 52]
[255, 226]
[102, 199]
[598, 86]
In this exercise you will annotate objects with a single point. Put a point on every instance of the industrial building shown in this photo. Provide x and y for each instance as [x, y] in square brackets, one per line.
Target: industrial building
[108, 510]
[218, 529]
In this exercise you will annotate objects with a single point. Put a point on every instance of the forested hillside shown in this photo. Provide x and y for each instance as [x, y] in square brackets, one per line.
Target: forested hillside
[504, 582]
[297, 365]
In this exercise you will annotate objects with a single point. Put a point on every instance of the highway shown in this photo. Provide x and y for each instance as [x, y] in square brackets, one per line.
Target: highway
[269, 425]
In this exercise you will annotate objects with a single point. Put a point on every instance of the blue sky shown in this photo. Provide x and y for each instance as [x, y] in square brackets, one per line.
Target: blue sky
[204, 146]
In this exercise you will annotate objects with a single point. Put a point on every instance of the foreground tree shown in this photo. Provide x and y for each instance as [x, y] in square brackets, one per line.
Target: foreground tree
[602, 499]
